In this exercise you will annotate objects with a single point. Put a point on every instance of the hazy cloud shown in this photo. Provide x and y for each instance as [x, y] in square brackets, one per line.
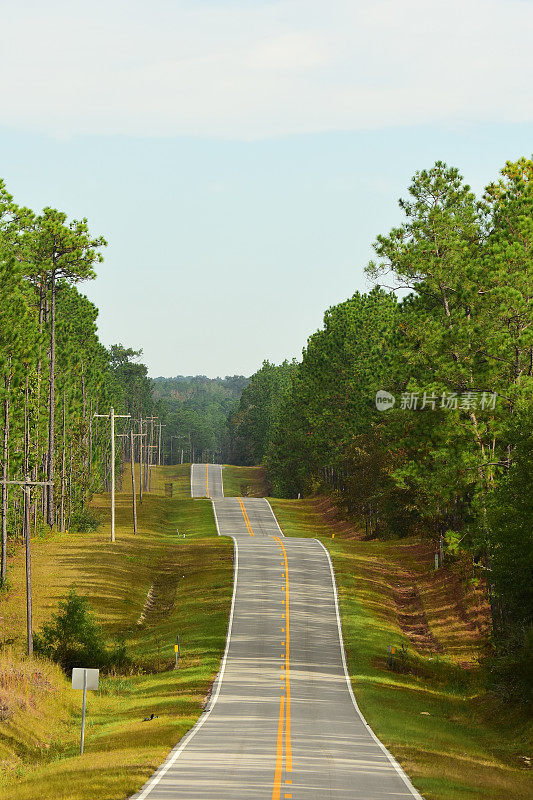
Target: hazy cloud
[257, 69]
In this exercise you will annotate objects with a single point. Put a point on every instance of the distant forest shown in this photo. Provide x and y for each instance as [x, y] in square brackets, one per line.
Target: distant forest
[195, 410]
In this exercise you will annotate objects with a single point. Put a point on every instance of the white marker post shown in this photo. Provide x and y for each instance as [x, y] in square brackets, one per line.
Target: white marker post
[85, 679]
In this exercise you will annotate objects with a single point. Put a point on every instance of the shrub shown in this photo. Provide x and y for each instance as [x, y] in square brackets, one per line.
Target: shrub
[72, 638]
[84, 521]
[510, 668]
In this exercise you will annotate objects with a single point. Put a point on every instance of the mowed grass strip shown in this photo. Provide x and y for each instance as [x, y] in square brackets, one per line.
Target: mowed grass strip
[436, 717]
[179, 475]
[244, 481]
[191, 582]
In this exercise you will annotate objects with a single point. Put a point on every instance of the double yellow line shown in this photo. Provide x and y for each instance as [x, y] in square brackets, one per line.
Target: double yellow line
[285, 699]
[246, 518]
[284, 721]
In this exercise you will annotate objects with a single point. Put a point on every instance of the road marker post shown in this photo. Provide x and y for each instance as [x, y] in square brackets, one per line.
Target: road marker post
[177, 652]
[87, 680]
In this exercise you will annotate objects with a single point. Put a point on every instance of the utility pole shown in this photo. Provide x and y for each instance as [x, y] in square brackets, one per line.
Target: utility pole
[141, 461]
[150, 447]
[111, 416]
[132, 461]
[133, 481]
[159, 445]
[26, 486]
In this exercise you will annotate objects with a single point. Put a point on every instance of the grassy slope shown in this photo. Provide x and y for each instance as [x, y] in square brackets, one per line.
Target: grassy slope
[192, 580]
[179, 475]
[244, 481]
[435, 717]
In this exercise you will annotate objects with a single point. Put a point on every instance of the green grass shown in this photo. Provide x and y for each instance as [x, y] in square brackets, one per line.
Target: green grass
[436, 718]
[244, 481]
[178, 474]
[192, 580]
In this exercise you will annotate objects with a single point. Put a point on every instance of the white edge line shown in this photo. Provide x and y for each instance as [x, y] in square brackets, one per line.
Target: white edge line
[391, 758]
[191, 478]
[178, 749]
[275, 518]
[215, 515]
[221, 480]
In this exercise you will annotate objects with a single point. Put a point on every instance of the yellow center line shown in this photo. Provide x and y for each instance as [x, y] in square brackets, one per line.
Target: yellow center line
[288, 744]
[276, 792]
[246, 518]
[207, 478]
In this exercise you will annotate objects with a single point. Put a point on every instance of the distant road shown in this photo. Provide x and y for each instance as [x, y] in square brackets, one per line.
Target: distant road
[206, 480]
[282, 720]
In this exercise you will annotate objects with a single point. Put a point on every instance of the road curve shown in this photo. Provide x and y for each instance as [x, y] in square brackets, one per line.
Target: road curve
[282, 721]
[206, 480]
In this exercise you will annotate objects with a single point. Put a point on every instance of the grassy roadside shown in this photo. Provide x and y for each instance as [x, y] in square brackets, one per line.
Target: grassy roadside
[191, 582]
[244, 481]
[178, 474]
[435, 716]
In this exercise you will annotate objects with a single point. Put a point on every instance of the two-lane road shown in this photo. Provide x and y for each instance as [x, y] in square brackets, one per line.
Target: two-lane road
[206, 480]
[282, 721]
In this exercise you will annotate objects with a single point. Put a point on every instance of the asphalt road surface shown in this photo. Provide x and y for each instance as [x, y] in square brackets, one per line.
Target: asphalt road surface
[282, 720]
[206, 480]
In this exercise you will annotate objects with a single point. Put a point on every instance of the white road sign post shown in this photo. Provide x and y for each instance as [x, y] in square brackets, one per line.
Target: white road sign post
[85, 679]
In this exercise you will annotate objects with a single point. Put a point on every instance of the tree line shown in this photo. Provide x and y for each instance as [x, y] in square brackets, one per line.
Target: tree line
[413, 404]
[195, 411]
[55, 374]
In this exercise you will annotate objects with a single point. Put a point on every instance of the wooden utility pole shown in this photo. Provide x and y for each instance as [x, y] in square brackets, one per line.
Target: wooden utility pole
[131, 436]
[112, 416]
[133, 481]
[143, 469]
[149, 448]
[26, 486]
[161, 443]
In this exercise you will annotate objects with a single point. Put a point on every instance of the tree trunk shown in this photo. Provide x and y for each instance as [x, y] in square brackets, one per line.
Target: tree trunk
[90, 465]
[35, 471]
[5, 467]
[27, 540]
[70, 490]
[51, 418]
[46, 319]
[141, 457]
[63, 465]
[26, 516]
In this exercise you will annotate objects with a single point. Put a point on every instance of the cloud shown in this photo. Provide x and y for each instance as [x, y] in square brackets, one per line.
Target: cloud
[250, 69]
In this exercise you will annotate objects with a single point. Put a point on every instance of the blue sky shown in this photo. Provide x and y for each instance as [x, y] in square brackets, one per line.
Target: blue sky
[240, 157]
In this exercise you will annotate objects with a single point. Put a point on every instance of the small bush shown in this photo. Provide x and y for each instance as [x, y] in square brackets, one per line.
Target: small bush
[72, 638]
[84, 521]
[510, 669]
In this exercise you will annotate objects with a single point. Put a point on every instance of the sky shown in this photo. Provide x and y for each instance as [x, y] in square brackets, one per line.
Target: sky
[241, 156]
